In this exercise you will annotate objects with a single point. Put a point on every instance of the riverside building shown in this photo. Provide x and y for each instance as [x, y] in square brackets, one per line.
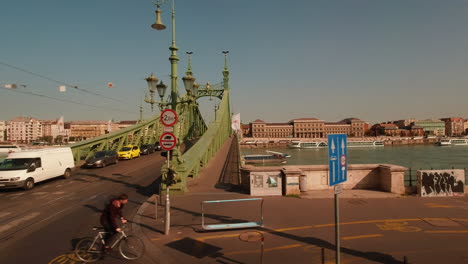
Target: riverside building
[306, 128]
[2, 130]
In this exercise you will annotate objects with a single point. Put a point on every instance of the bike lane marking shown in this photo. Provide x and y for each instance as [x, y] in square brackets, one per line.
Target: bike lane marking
[362, 236]
[447, 232]
[65, 259]
[400, 223]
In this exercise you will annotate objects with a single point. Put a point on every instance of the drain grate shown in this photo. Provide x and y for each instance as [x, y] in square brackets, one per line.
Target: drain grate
[440, 222]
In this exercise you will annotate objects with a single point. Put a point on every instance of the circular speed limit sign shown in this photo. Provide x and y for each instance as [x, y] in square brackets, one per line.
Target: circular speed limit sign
[168, 117]
[167, 141]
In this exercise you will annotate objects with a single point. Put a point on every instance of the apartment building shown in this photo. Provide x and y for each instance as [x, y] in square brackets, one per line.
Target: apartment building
[24, 129]
[2, 130]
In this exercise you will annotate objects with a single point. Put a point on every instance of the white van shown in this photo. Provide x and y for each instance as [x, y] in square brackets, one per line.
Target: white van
[25, 168]
[5, 149]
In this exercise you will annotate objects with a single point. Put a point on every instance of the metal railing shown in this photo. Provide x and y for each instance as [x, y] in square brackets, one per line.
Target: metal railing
[206, 147]
[232, 225]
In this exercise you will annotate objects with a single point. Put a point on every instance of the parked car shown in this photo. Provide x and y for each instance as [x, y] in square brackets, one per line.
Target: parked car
[157, 146]
[147, 149]
[25, 168]
[102, 159]
[129, 152]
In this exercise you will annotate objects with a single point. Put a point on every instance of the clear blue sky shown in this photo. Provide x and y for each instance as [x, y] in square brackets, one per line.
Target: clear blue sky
[331, 59]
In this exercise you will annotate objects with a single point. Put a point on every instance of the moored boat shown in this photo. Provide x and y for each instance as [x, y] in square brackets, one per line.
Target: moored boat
[270, 157]
[308, 145]
[323, 144]
[367, 143]
[452, 142]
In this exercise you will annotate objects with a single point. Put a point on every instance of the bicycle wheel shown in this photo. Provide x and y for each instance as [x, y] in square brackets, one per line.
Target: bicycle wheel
[131, 248]
[88, 251]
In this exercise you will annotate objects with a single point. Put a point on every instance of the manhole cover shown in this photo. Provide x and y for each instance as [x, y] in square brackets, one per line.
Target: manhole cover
[440, 222]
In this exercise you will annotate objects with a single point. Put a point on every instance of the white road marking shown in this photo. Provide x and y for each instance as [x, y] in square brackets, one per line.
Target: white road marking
[39, 193]
[14, 195]
[18, 221]
[2, 214]
[90, 198]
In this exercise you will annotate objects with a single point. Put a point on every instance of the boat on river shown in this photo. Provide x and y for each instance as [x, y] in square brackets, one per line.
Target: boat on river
[269, 157]
[324, 144]
[308, 145]
[366, 143]
[453, 142]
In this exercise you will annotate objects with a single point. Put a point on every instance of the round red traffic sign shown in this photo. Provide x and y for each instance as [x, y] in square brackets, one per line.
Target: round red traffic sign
[167, 141]
[168, 117]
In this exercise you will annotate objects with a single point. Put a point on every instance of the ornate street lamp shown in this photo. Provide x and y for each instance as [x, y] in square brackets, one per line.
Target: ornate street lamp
[161, 87]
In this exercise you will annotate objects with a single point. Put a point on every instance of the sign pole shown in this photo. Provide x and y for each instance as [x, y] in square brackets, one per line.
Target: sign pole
[337, 227]
[167, 221]
[338, 173]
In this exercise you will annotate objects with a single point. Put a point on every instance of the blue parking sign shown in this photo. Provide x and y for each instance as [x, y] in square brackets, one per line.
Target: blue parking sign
[337, 159]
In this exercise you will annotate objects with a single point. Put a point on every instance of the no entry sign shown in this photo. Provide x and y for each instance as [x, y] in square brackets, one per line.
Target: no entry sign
[168, 117]
[167, 141]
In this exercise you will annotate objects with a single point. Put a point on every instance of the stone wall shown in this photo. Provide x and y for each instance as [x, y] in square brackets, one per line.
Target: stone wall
[384, 177]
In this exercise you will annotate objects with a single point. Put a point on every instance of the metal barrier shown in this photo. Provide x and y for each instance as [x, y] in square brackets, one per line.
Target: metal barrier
[232, 225]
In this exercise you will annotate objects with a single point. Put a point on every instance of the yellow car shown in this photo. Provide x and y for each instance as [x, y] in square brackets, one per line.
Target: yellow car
[129, 152]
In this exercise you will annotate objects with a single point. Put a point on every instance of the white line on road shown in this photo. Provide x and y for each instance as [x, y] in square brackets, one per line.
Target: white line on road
[18, 221]
[13, 195]
[4, 214]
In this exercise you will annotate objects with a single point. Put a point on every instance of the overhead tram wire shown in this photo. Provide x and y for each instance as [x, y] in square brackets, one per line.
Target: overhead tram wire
[68, 101]
[59, 82]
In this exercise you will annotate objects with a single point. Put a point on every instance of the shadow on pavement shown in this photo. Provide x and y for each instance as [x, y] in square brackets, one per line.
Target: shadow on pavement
[145, 190]
[373, 256]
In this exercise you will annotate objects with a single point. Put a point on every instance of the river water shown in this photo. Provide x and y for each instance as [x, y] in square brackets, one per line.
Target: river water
[411, 156]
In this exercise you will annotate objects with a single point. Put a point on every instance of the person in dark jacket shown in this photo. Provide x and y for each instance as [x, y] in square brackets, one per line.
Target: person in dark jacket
[112, 218]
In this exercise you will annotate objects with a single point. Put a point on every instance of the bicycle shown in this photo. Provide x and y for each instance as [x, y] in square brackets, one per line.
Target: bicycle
[91, 249]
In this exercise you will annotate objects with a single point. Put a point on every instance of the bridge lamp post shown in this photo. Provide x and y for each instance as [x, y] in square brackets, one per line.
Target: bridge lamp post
[153, 86]
[191, 88]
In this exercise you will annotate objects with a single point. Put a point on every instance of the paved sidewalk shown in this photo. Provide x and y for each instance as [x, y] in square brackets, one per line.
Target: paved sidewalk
[296, 230]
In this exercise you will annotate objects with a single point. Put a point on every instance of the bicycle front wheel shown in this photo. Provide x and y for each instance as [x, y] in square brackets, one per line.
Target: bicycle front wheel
[131, 248]
[87, 250]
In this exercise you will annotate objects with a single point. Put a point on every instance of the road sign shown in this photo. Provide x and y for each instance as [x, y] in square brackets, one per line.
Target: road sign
[337, 159]
[168, 129]
[168, 117]
[167, 141]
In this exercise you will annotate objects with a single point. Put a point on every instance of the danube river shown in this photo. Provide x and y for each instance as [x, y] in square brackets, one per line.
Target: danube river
[411, 156]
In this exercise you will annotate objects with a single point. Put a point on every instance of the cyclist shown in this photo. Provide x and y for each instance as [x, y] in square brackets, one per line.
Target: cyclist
[112, 217]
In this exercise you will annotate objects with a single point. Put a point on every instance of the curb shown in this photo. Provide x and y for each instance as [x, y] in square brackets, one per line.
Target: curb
[152, 252]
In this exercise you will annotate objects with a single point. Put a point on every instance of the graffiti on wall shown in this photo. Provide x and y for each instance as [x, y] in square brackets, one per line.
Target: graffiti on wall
[441, 183]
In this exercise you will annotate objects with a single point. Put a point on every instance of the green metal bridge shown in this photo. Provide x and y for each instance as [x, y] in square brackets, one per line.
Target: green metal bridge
[190, 127]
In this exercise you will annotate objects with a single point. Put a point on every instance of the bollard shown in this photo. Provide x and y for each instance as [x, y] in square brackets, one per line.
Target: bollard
[323, 255]
[405, 260]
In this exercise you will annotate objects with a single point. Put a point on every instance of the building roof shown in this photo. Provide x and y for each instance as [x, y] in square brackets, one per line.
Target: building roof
[389, 126]
[336, 124]
[453, 119]
[23, 119]
[278, 124]
[258, 121]
[305, 119]
[89, 122]
[351, 119]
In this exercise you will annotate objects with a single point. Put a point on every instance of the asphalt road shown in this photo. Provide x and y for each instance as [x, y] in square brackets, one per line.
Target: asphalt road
[42, 225]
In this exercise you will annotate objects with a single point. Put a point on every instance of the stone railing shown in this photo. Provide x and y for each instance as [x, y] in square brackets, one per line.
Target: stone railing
[296, 178]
